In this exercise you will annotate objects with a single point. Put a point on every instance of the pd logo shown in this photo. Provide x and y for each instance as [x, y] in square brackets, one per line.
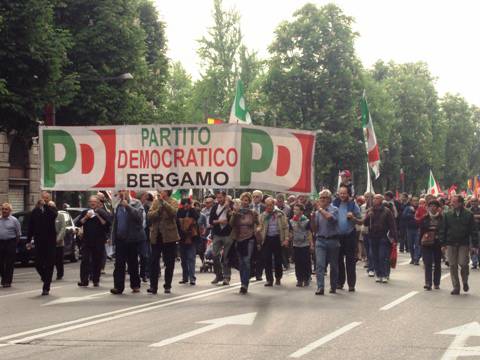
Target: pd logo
[91, 156]
[290, 156]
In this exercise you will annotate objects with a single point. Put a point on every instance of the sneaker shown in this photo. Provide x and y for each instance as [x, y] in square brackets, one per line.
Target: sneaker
[340, 287]
[306, 283]
[116, 291]
[278, 282]
[167, 291]
[226, 282]
[333, 291]
[82, 284]
[144, 279]
[428, 287]
[466, 287]
[192, 283]
[183, 281]
[45, 292]
[384, 280]
[268, 284]
[320, 291]
[351, 289]
[152, 291]
[371, 274]
[437, 287]
[378, 280]
[455, 292]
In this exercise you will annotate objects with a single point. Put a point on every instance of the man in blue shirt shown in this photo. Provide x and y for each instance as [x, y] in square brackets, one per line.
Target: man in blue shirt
[9, 236]
[348, 216]
[325, 227]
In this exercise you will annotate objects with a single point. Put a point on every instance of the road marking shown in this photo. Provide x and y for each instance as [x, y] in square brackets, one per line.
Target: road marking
[30, 292]
[457, 348]
[65, 300]
[243, 319]
[445, 276]
[399, 301]
[310, 347]
[128, 311]
[119, 316]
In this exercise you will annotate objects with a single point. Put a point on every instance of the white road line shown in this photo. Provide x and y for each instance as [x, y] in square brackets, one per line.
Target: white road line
[310, 347]
[445, 276]
[115, 317]
[45, 328]
[30, 291]
[399, 301]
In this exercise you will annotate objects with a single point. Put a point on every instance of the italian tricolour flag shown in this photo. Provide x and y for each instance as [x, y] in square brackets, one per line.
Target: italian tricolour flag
[433, 187]
[370, 138]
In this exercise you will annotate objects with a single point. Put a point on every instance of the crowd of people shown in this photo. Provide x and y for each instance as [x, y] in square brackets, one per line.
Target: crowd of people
[260, 235]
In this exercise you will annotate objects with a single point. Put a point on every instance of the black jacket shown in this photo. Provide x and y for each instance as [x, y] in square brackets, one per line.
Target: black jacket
[217, 229]
[42, 226]
[93, 230]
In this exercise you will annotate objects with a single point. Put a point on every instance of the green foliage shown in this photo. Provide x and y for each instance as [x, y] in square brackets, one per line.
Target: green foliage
[179, 96]
[314, 83]
[33, 61]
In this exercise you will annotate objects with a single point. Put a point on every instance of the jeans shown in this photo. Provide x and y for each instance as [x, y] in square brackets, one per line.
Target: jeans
[188, 254]
[402, 237]
[327, 250]
[368, 249]
[458, 255]
[272, 248]
[381, 255]
[169, 251]
[145, 259]
[245, 251]
[91, 264]
[59, 261]
[7, 260]
[347, 260]
[413, 239]
[220, 263]
[302, 263]
[125, 253]
[432, 258]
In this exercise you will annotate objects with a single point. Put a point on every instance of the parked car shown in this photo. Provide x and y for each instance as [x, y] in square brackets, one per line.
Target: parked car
[24, 254]
[75, 212]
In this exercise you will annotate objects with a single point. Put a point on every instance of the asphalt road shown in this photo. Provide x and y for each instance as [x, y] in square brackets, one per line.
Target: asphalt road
[398, 320]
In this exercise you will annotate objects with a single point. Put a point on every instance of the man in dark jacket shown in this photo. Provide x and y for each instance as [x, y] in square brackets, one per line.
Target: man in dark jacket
[381, 224]
[219, 220]
[95, 222]
[457, 234]
[43, 232]
[127, 234]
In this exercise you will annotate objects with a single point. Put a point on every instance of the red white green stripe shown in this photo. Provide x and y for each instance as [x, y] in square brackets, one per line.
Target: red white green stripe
[433, 187]
[370, 138]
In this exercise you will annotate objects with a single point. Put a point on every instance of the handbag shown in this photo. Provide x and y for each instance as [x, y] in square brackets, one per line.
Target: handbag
[428, 238]
[393, 255]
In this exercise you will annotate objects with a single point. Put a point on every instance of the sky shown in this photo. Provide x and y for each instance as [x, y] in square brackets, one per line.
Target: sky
[442, 33]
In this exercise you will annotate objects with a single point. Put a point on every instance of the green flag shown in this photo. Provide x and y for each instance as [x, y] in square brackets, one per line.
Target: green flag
[239, 113]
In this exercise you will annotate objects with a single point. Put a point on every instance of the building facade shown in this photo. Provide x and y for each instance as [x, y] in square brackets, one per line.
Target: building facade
[19, 171]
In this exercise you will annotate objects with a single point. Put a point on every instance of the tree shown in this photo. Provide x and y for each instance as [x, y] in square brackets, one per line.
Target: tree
[33, 61]
[179, 96]
[314, 83]
[461, 139]
[219, 53]
[411, 89]
[114, 37]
